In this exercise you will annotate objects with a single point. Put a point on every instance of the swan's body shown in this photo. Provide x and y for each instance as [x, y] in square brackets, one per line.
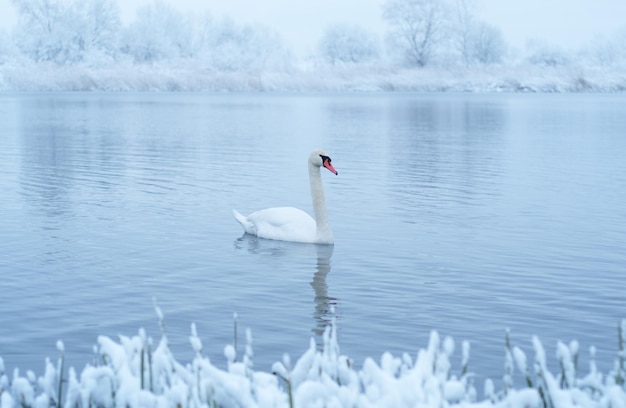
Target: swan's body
[293, 224]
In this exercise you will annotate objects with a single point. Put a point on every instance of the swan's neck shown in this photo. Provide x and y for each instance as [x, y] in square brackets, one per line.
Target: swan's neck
[324, 234]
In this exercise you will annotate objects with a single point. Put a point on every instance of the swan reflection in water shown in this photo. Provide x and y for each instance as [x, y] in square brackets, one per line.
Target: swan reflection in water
[324, 305]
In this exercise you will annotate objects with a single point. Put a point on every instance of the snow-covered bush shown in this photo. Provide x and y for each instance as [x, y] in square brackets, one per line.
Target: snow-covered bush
[131, 372]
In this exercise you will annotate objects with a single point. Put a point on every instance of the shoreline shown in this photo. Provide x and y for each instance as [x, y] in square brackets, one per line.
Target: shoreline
[366, 79]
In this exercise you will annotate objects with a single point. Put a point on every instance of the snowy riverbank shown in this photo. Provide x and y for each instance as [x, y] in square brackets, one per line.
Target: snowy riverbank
[131, 372]
[187, 77]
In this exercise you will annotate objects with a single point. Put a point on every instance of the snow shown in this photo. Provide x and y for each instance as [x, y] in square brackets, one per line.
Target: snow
[127, 373]
[181, 76]
[520, 359]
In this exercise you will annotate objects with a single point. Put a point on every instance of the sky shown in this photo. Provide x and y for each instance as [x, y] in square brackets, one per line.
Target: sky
[563, 23]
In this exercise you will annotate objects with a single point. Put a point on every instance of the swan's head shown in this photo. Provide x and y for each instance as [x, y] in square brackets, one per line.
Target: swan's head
[319, 158]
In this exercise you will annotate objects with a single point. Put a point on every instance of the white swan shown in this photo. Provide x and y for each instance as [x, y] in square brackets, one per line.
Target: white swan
[292, 224]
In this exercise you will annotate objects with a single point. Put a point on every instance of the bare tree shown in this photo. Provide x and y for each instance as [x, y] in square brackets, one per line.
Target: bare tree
[415, 27]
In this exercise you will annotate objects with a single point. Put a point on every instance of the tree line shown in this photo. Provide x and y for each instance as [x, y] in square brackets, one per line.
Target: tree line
[419, 33]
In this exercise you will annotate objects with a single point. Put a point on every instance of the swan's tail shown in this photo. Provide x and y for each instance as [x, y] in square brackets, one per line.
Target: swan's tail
[248, 226]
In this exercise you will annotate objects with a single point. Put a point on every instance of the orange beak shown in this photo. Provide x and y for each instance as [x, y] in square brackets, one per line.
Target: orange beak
[330, 166]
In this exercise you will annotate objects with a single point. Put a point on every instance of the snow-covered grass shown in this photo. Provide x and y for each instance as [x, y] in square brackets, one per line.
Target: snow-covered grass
[188, 76]
[132, 372]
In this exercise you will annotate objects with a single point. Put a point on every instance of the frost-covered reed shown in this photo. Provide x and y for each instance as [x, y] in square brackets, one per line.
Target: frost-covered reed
[348, 78]
[130, 373]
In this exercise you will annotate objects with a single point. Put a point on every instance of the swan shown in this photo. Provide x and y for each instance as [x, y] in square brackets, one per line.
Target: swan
[293, 224]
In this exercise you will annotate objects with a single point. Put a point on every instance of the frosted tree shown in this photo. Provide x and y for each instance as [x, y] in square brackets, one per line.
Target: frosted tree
[475, 41]
[348, 44]
[99, 29]
[602, 51]
[415, 28]
[486, 44]
[46, 30]
[66, 31]
[202, 35]
[227, 46]
[463, 21]
[159, 32]
[542, 53]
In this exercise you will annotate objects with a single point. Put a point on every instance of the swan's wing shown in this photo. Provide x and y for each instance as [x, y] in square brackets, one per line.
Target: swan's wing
[284, 224]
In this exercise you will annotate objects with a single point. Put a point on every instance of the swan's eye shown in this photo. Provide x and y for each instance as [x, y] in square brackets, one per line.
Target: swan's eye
[324, 158]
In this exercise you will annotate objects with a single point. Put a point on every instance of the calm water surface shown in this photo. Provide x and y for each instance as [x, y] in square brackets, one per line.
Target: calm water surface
[467, 214]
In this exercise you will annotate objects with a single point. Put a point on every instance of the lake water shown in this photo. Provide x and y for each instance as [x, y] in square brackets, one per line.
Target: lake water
[467, 214]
